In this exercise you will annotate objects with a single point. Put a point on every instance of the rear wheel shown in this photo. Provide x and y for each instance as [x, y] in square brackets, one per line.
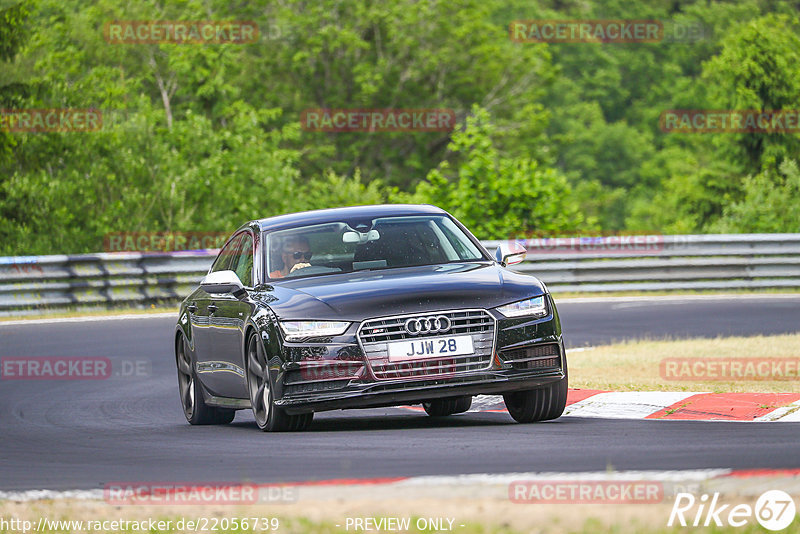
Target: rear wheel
[195, 409]
[269, 418]
[541, 404]
[448, 406]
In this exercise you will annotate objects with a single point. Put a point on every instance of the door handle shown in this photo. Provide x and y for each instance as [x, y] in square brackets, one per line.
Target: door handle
[212, 308]
[192, 308]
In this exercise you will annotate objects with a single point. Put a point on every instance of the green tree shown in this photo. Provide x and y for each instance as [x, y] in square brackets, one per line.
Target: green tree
[138, 175]
[203, 137]
[758, 69]
[496, 196]
[403, 54]
[13, 33]
[334, 190]
[771, 203]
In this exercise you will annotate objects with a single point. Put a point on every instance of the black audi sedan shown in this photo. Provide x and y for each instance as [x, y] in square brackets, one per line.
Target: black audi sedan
[365, 307]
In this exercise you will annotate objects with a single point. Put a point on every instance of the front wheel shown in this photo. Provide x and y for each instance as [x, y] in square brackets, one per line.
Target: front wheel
[195, 409]
[269, 418]
[448, 406]
[541, 404]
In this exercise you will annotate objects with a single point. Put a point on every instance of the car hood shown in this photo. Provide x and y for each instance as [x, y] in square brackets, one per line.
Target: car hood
[363, 294]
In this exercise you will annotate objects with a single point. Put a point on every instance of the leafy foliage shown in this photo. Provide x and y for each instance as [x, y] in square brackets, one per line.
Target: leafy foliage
[771, 203]
[494, 195]
[758, 69]
[12, 29]
[550, 137]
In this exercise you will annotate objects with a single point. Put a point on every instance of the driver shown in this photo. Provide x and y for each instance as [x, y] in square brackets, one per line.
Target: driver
[296, 254]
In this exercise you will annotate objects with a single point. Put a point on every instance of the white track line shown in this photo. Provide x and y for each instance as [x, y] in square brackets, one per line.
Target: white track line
[492, 486]
[43, 494]
[482, 480]
[632, 405]
[92, 318]
[482, 403]
[506, 478]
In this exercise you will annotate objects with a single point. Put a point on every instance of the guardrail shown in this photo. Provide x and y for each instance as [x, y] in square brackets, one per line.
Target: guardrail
[30, 284]
[655, 263]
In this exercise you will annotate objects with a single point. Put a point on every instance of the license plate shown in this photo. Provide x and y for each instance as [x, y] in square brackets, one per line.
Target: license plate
[419, 349]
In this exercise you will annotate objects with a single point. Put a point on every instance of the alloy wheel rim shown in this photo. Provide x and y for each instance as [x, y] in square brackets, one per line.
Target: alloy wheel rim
[260, 394]
[186, 380]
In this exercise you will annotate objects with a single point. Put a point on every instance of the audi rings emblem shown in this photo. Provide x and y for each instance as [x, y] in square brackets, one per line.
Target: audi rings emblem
[435, 324]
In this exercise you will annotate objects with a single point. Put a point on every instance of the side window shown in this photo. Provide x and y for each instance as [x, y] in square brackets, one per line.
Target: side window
[465, 248]
[243, 261]
[227, 255]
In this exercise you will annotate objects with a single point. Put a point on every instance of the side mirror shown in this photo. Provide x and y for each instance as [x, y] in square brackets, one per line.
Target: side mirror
[510, 253]
[222, 282]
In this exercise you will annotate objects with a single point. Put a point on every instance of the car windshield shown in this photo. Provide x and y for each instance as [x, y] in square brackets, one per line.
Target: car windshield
[381, 243]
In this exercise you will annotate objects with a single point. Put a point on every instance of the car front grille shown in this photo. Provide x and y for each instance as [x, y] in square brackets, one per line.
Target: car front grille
[331, 370]
[439, 366]
[543, 356]
[375, 334]
[314, 387]
[545, 363]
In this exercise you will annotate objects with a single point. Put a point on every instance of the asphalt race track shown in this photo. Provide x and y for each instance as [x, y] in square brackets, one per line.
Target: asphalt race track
[84, 434]
[597, 322]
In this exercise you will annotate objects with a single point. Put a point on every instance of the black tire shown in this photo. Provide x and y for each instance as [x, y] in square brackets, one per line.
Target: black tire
[541, 404]
[447, 406]
[269, 418]
[195, 409]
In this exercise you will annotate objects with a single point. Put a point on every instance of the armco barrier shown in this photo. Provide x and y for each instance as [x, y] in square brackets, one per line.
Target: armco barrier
[89, 281]
[715, 261]
[31, 284]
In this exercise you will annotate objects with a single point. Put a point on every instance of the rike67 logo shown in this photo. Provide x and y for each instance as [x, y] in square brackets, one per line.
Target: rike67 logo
[774, 510]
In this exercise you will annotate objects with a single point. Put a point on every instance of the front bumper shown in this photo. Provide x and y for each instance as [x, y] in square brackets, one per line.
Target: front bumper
[375, 395]
[513, 355]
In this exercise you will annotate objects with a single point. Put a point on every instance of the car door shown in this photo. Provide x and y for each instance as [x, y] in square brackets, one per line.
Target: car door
[205, 325]
[227, 377]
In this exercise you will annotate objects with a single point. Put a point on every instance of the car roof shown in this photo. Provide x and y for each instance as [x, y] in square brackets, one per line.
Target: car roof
[304, 218]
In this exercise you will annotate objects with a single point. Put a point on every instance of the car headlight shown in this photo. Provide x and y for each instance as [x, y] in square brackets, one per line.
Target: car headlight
[300, 329]
[530, 307]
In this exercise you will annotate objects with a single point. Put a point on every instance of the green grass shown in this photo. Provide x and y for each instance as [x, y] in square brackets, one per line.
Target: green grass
[635, 365]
